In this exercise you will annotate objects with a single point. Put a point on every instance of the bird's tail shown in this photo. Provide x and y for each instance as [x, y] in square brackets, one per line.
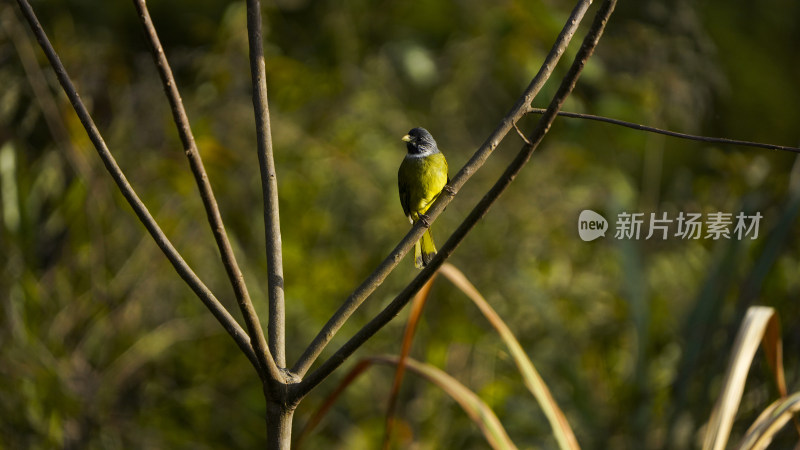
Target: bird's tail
[424, 250]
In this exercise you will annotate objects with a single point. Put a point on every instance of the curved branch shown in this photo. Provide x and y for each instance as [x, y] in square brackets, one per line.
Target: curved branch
[254, 329]
[269, 185]
[691, 137]
[183, 269]
[388, 313]
[395, 256]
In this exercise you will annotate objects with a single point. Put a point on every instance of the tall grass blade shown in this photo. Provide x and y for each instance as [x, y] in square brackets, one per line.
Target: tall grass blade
[408, 337]
[476, 409]
[770, 422]
[533, 381]
[759, 322]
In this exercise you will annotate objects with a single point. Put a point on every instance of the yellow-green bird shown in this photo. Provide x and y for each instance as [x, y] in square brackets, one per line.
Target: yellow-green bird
[421, 177]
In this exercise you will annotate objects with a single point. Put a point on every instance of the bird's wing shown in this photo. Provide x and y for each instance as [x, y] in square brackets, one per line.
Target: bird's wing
[404, 188]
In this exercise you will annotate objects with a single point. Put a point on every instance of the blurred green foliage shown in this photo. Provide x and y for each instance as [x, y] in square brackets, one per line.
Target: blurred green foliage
[102, 346]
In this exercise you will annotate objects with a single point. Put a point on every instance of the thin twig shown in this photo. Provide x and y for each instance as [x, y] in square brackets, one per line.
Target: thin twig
[183, 269]
[254, 329]
[395, 256]
[692, 137]
[388, 313]
[521, 134]
[269, 186]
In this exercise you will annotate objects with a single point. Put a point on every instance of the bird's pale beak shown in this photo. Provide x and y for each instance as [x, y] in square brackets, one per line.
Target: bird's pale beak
[406, 138]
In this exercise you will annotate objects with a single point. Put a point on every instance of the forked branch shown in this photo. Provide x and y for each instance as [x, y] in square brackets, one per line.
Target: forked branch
[481, 155]
[254, 329]
[567, 85]
[183, 269]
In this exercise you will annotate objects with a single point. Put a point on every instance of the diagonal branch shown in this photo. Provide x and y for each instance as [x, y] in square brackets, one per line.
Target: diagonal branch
[481, 155]
[269, 185]
[254, 329]
[543, 126]
[183, 269]
[691, 137]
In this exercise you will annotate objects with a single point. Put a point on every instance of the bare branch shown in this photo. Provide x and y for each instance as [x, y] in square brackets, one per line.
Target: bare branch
[458, 181]
[691, 137]
[269, 185]
[254, 329]
[183, 269]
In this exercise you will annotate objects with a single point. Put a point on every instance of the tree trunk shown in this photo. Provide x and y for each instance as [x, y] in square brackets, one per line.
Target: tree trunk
[279, 425]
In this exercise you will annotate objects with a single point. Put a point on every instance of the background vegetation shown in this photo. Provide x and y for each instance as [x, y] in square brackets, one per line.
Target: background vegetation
[101, 345]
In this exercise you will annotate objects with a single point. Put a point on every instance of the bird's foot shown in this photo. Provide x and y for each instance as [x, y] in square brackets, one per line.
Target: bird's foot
[425, 219]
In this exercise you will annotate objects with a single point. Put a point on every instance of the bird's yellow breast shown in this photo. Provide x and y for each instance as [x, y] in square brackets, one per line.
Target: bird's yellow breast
[421, 179]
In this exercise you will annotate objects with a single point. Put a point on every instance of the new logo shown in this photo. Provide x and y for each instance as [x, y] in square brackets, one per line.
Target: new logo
[591, 225]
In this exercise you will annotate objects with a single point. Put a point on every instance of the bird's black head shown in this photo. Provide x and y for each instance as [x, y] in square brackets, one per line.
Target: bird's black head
[420, 142]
